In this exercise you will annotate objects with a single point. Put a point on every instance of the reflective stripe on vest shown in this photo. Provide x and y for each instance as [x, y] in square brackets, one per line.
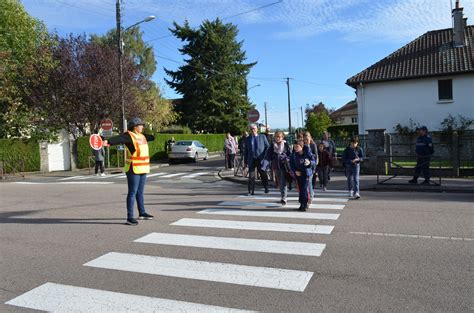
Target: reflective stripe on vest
[140, 159]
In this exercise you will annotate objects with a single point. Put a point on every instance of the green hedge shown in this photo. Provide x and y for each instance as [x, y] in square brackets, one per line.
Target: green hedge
[15, 151]
[214, 142]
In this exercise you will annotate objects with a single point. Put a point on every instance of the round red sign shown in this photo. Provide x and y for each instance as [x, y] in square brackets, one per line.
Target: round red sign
[253, 116]
[106, 124]
[95, 141]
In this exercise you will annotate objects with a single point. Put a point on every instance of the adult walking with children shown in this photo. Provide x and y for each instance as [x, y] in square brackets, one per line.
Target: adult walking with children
[137, 166]
[279, 156]
[256, 147]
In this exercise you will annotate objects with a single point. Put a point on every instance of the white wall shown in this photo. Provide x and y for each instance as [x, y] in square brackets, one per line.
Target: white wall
[385, 104]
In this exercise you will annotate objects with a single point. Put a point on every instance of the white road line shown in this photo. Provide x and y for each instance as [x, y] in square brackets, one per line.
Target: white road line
[195, 175]
[333, 191]
[225, 243]
[279, 227]
[293, 193]
[54, 297]
[317, 199]
[66, 183]
[172, 175]
[71, 178]
[303, 215]
[110, 176]
[121, 176]
[289, 206]
[155, 174]
[412, 236]
[276, 278]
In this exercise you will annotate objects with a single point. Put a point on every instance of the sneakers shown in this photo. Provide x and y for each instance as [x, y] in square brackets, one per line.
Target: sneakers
[131, 221]
[101, 174]
[324, 189]
[251, 193]
[426, 182]
[303, 207]
[356, 195]
[283, 201]
[97, 174]
[351, 193]
[266, 190]
[145, 216]
[413, 181]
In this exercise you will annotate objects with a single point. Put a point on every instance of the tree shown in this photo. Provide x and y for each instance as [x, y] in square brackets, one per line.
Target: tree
[317, 108]
[156, 111]
[213, 80]
[317, 123]
[23, 46]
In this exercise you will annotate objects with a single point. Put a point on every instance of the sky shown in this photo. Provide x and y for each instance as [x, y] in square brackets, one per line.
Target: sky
[318, 44]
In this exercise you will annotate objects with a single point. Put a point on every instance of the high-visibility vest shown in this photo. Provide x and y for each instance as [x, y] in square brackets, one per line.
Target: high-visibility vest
[140, 159]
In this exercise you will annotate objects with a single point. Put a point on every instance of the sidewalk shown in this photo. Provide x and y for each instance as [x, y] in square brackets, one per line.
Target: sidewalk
[369, 182]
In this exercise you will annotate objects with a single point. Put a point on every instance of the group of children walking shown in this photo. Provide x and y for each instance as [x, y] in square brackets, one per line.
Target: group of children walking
[306, 161]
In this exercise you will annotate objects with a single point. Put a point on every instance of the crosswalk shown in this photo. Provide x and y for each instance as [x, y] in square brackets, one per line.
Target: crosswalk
[320, 219]
[152, 177]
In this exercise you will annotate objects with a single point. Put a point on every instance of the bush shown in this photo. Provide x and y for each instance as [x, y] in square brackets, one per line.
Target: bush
[343, 131]
[14, 151]
[176, 129]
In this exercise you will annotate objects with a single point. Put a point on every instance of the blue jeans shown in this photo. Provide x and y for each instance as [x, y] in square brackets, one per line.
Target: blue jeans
[281, 176]
[352, 174]
[136, 187]
[304, 183]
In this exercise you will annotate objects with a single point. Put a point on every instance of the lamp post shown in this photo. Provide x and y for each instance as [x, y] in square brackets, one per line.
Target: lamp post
[120, 55]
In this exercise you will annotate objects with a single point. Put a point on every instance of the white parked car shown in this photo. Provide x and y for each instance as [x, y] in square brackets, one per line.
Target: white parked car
[188, 149]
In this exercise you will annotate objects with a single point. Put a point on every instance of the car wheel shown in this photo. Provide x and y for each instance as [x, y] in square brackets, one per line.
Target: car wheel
[196, 156]
[207, 156]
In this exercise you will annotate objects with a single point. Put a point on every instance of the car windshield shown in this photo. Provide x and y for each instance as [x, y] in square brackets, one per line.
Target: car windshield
[184, 143]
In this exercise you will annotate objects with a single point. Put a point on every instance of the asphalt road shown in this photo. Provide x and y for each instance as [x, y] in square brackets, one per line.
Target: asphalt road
[387, 252]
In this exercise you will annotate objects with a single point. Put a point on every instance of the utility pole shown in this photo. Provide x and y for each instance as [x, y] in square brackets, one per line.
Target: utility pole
[302, 117]
[120, 52]
[289, 105]
[266, 121]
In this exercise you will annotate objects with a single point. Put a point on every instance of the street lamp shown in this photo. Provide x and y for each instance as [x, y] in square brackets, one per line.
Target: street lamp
[120, 54]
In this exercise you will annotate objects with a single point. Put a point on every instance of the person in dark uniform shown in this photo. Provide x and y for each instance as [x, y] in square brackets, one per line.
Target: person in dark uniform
[424, 150]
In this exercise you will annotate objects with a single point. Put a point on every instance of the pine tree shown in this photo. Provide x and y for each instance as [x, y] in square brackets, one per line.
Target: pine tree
[213, 80]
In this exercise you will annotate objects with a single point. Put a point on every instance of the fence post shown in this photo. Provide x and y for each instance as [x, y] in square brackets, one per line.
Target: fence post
[388, 152]
[455, 155]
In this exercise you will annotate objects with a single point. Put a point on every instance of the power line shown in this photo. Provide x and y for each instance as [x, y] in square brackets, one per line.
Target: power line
[228, 17]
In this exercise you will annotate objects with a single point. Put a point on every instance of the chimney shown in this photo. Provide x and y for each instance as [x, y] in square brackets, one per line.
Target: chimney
[459, 22]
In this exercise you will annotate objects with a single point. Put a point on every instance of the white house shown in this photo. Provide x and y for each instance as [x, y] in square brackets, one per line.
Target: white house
[426, 80]
[346, 115]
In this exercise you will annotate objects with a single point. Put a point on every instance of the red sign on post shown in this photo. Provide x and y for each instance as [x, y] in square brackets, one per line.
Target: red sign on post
[106, 124]
[95, 141]
[253, 116]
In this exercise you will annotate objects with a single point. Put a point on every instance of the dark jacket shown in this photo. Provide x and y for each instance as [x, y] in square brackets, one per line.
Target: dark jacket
[324, 159]
[279, 160]
[297, 162]
[424, 146]
[127, 140]
[257, 149]
[314, 151]
[350, 154]
[99, 155]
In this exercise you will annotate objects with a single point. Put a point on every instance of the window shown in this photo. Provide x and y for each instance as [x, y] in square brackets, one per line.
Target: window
[354, 120]
[445, 89]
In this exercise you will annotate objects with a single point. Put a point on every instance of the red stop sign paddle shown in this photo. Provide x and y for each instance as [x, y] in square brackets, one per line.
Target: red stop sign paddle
[106, 124]
[95, 141]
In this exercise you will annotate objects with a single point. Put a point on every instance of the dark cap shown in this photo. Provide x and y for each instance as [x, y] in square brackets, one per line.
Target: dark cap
[135, 122]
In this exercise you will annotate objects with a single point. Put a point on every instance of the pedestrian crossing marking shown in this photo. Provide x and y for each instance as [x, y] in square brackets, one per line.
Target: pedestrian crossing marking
[294, 193]
[278, 227]
[71, 178]
[196, 175]
[172, 175]
[54, 297]
[275, 278]
[316, 198]
[289, 206]
[155, 174]
[226, 243]
[301, 215]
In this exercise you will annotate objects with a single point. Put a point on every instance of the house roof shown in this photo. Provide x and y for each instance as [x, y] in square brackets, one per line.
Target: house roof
[431, 54]
[342, 111]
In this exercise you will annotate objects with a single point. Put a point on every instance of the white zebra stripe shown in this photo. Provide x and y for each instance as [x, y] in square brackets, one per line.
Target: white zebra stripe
[278, 227]
[267, 277]
[302, 215]
[53, 297]
[239, 244]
